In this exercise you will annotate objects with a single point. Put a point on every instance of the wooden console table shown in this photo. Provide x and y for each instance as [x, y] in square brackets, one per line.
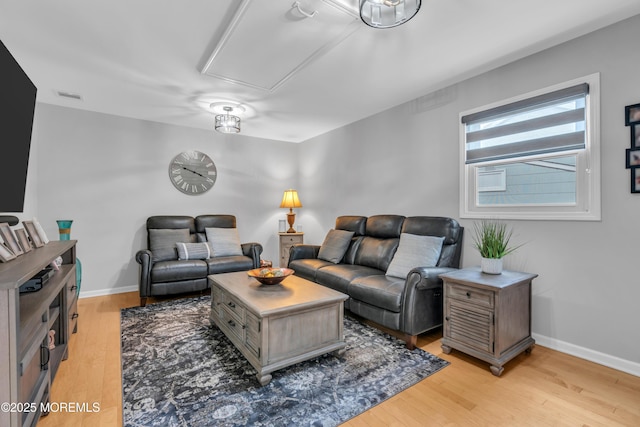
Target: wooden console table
[27, 363]
[487, 316]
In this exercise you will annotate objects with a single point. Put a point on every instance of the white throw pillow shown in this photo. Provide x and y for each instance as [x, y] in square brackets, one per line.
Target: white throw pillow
[414, 251]
[224, 241]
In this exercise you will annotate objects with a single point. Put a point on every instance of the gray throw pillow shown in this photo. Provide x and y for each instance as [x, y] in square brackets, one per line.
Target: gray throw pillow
[224, 241]
[414, 251]
[194, 250]
[335, 245]
[162, 242]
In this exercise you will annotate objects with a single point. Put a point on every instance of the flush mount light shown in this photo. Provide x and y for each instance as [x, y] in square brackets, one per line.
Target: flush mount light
[388, 13]
[227, 123]
[227, 120]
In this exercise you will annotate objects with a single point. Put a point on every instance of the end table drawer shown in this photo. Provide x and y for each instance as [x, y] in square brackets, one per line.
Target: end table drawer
[292, 240]
[471, 295]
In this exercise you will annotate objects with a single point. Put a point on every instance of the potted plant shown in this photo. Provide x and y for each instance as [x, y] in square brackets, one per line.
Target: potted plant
[491, 238]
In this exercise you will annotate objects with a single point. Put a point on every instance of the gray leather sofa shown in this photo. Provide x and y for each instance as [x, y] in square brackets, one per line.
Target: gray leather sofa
[163, 273]
[412, 305]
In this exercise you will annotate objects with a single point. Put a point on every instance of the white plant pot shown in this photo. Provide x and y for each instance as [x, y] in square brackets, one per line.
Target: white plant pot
[491, 265]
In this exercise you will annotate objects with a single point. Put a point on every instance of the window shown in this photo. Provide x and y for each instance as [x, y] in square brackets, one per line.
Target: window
[536, 156]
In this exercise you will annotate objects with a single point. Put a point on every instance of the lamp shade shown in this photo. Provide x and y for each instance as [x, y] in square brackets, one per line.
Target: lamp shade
[388, 13]
[290, 200]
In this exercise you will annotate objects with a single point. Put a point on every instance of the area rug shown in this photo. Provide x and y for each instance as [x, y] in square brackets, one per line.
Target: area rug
[178, 370]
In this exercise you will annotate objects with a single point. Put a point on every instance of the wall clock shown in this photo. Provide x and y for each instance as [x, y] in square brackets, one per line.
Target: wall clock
[192, 172]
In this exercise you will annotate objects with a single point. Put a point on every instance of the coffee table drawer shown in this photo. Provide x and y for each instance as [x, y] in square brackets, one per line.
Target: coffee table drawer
[232, 304]
[232, 323]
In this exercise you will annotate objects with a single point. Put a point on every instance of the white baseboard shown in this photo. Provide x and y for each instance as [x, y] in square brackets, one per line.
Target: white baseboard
[111, 291]
[614, 362]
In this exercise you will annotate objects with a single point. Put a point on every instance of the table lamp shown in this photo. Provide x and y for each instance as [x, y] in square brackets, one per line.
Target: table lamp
[290, 200]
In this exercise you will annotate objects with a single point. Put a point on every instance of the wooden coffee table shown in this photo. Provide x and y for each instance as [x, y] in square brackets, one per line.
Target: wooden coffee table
[275, 326]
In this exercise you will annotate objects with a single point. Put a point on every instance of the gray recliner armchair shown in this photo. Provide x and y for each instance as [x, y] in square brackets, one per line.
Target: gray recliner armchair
[177, 261]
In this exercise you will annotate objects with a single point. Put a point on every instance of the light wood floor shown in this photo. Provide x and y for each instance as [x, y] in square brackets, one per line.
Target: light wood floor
[545, 388]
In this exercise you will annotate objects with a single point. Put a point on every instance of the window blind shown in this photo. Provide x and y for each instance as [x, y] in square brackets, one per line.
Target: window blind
[551, 122]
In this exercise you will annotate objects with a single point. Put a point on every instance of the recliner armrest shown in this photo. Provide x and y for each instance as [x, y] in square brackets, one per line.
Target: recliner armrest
[145, 259]
[427, 277]
[303, 251]
[253, 250]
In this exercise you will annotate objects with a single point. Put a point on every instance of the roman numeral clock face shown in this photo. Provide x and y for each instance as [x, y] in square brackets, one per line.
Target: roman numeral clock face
[192, 172]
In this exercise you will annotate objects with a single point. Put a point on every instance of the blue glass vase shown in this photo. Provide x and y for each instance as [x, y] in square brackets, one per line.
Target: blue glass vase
[64, 228]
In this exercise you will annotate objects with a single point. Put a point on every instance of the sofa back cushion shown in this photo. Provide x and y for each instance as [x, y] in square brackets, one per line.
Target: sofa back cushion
[356, 224]
[212, 221]
[375, 252]
[448, 228]
[384, 226]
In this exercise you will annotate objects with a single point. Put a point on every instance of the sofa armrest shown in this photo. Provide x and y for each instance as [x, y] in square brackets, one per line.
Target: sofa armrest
[145, 259]
[303, 251]
[253, 250]
[427, 277]
[422, 303]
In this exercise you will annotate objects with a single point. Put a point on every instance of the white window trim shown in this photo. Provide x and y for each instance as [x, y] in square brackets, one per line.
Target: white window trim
[588, 203]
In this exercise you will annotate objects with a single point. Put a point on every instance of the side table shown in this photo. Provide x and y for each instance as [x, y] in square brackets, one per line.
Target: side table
[487, 316]
[286, 241]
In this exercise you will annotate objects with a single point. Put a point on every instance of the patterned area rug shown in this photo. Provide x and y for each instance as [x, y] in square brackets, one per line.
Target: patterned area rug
[178, 370]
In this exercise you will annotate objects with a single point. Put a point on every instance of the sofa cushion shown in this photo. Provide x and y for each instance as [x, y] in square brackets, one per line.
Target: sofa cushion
[170, 271]
[193, 250]
[338, 276]
[384, 226]
[307, 268]
[335, 245]
[227, 264]
[357, 224]
[376, 253]
[380, 291]
[415, 251]
[224, 241]
[162, 242]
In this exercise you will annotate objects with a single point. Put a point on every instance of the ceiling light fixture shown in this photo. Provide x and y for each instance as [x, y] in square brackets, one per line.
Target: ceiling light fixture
[388, 13]
[227, 123]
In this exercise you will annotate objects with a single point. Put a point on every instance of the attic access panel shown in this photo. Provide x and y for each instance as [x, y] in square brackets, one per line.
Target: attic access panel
[267, 42]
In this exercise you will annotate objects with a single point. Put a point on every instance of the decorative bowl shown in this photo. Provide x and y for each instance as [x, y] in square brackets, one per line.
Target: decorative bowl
[270, 276]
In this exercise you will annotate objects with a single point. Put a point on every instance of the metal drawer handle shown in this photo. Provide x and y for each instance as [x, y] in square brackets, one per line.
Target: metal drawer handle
[74, 316]
[44, 361]
[232, 323]
[73, 288]
[232, 305]
[468, 295]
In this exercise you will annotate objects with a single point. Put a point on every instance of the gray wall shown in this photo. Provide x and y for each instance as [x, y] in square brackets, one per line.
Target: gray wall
[406, 161]
[109, 174]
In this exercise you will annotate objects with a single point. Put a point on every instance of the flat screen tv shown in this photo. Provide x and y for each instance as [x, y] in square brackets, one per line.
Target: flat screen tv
[17, 105]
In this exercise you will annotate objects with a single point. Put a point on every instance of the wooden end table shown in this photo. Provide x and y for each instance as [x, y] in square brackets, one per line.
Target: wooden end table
[487, 316]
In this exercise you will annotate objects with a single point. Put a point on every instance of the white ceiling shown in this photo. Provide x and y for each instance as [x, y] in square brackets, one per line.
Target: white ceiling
[144, 58]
